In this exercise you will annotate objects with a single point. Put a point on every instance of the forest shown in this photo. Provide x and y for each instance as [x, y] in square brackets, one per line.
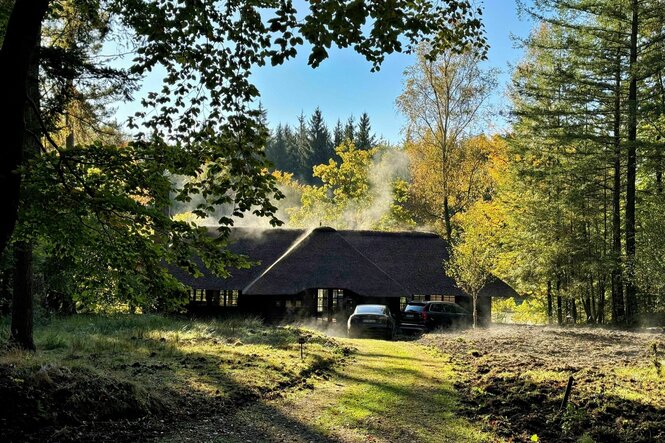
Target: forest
[564, 201]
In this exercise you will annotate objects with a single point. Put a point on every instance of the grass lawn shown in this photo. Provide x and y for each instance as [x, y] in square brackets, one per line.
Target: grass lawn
[92, 373]
[386, 392]
[143, 377]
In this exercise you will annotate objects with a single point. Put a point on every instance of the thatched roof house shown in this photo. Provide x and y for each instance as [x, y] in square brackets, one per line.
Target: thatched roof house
[326, 272]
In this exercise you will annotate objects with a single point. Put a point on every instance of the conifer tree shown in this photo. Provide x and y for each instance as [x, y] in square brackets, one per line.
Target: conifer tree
[276, 149]
[364, 137]
[338, 134]
[350, 130]
[320, 144]
[303, 151]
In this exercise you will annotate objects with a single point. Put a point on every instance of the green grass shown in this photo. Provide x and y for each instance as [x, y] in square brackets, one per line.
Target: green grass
[173, 363]
[399, 389]
[388, 391]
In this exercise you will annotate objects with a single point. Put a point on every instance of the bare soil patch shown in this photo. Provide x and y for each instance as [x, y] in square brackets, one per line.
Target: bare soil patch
[513, 378]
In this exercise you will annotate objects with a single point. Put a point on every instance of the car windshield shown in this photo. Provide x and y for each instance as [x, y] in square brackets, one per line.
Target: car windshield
[414, 308]
[369, 309]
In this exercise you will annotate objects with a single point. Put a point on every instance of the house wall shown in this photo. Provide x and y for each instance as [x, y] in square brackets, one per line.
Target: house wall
[324, 304]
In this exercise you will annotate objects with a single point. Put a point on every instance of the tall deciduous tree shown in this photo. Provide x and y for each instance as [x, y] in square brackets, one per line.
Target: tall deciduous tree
[444, 100]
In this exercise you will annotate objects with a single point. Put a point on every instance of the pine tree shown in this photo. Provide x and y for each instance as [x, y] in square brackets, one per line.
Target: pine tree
[302, 150]
[291, 151]
[319, 140]
[338, 134]
[364, 137]
[350, 130]
[276, 149]
[601, 85]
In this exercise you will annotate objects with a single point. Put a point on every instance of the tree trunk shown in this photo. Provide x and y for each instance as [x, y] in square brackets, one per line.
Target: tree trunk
[446, 219]
[659, 154]
[616, 274]
[591, 300]
[550, 314]
[22, 300]
[631, 289]
[18, 48]
[5, 291]
[475, 310]
[559, 312]
[600, 313]
[21, 328]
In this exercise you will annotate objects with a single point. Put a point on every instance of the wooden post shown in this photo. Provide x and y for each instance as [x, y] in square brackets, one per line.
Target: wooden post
[330, 304]
[566, 396]
[301, 341]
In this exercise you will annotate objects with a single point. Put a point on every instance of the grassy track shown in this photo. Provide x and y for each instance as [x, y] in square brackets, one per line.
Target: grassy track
[388, 392]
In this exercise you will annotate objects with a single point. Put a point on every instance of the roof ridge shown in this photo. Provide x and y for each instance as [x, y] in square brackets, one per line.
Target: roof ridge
[307, 235]
[406, 291]
[288, 251]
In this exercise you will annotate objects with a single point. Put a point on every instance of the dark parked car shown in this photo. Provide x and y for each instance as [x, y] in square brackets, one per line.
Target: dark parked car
[443, 314]
[411, 318]
[371, 320]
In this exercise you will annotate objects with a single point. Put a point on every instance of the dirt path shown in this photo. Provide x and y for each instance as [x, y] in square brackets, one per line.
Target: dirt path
[514, 378]
[386, 392]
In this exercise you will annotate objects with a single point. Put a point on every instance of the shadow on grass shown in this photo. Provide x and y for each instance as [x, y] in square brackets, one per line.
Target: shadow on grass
[130, 359]
[243, 414]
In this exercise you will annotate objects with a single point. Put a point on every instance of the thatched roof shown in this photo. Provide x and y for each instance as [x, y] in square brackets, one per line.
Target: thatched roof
[324, 259]
[370, 263]
[415, 259]
[263, 246]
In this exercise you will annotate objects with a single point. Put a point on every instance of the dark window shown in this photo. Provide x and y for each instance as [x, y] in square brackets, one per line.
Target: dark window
[337, 299]
[419, 298]
[370, 309]
[294, 303]
[460, 310]
[436, 308]
[402, 303]
[321, 301]
[414, 308]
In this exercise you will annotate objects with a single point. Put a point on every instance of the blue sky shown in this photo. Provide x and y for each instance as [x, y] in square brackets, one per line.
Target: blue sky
[343, 85]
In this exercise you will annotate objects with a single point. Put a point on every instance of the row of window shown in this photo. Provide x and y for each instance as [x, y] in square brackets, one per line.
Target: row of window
[288, 304]
[228, 298]
[337, 301]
